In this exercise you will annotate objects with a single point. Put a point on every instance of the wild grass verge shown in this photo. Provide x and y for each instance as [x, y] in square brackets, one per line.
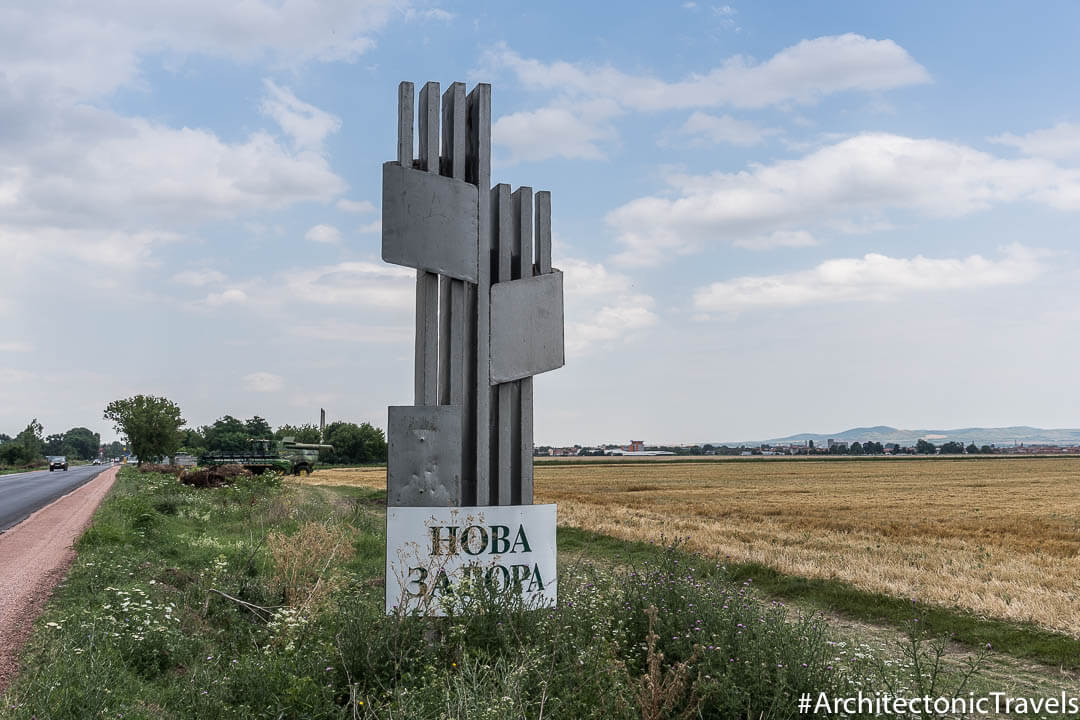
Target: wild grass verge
[257, 600]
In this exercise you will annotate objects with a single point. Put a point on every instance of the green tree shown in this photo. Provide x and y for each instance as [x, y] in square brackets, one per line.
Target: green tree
[356, 443]
[374, 442]
[114, 449]
[856, 448]
[54, 444]
[25, 448]
[192, 442]
[258, 428]
[986, 450]
[952, 448]
[306, 433]
[227, 433]
[151, 425]
[348, 442]
[924, 447]
[971, 449]
[83, 443]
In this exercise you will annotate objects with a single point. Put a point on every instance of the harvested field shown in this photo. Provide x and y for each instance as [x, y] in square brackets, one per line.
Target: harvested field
[997, 536]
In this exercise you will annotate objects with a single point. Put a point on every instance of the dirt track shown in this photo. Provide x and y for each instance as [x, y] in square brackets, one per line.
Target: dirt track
[34, 556]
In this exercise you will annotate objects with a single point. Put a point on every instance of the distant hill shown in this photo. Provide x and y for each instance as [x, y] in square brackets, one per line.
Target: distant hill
[1003, 436]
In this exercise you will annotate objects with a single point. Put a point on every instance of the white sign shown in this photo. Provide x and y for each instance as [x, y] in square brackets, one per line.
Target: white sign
[439, 558]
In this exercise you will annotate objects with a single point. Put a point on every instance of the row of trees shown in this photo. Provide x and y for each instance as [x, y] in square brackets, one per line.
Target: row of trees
[353, 444]
[31, 445]
[155, 428]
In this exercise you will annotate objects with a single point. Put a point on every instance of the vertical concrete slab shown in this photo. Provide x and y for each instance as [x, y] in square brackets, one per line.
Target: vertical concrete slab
[406, 93]
[428, 122]
[478, 172]
[543, 232]
[454, 130]
[444, 339]
[503, 214]
[523, 485]
[426, 368]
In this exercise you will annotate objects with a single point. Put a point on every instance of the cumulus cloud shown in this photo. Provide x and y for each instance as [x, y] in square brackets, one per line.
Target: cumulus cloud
[198, 278]
[232, 296]
[843, 186]
[264, 382]
[306, 124]
[777, 238]
[85, 182]
[800, 74]
[602, 306]
[872, 277]
[24, 248]
[429, 14]
[1061, 142]
[323, 234]
[130, 171]
[352, 284]
[571, 132]
[355, 206]
[703, 128]
[83, 50]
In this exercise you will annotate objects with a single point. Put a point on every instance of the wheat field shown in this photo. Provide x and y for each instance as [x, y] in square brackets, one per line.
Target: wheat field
[996, 536]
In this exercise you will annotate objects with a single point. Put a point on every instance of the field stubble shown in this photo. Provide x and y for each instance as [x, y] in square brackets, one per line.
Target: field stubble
[998, 537]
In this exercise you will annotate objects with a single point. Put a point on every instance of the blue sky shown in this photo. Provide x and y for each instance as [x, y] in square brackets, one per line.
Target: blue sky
[773, 217]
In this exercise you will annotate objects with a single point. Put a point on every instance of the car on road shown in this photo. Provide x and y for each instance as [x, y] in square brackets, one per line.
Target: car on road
[97, 461]
[57, 462]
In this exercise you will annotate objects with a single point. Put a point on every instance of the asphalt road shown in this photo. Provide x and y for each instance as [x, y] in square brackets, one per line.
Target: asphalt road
[23, 493]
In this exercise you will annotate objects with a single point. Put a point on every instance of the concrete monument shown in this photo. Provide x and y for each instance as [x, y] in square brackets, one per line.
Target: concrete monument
[489, 316]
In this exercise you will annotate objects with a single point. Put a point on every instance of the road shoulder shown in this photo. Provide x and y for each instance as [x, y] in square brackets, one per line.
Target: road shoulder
[34, 556]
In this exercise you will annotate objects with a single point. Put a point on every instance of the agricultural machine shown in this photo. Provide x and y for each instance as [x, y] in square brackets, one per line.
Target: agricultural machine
[288, 456]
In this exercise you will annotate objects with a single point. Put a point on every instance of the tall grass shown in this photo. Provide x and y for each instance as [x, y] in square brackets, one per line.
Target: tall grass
[237, 602]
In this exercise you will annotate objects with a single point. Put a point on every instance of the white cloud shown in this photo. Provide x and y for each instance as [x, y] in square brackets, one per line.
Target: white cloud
[801, 73]
[724, 130]
[232, 296]
[198, 278]
[1061, 142]
[556, 131]
[323, 234]
[306, 124]
[83, 182]
[430, 14]
[122, 172]
[355, 206]
[263, 382]
[778, 238]
[844, 186]
[15, 346]
[352, 332]
[352, 284]
[577, 122]
[25, 247]
[602, 307]
[86, 50]
[873, 277]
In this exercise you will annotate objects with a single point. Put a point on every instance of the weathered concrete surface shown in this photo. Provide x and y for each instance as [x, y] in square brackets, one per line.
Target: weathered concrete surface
[424, 456]
[526, 327]
[429, 222]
